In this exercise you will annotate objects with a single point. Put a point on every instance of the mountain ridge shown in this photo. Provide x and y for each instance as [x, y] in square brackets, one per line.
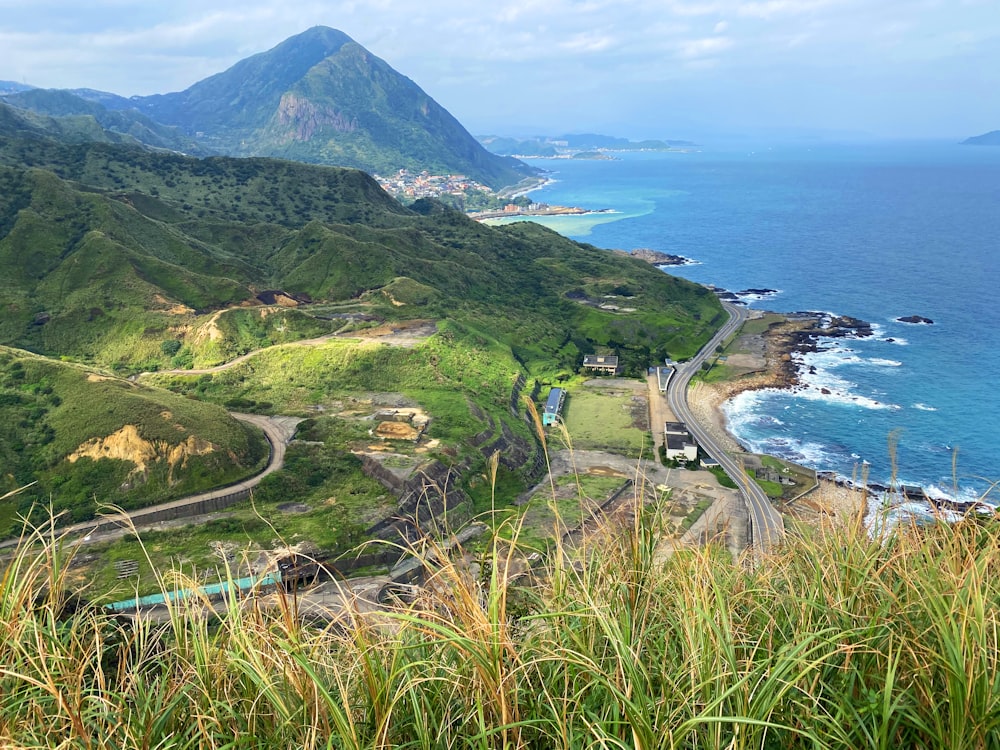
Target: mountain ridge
[318, 97]
[140, 129]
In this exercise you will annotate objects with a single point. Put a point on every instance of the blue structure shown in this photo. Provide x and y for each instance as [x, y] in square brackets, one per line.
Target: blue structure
[213, 592]
[553, 407]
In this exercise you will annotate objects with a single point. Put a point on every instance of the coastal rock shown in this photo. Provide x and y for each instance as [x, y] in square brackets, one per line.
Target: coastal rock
[916, 320]
[802, 334]
[743, 296]
[658, 258]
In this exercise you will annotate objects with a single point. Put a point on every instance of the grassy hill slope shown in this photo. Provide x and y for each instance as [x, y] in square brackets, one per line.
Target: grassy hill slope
[66, 107]
[88, 439]
[123, 240]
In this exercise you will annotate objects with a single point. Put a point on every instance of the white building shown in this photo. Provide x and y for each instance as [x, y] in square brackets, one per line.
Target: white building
[681, 445]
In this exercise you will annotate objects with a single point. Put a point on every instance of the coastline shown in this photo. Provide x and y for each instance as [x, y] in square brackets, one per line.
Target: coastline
[832, 502]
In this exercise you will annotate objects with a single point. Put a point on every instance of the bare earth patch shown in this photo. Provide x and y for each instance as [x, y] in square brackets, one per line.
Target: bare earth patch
[397, 431]
[605, 471]
[128, 445]
[406, 333]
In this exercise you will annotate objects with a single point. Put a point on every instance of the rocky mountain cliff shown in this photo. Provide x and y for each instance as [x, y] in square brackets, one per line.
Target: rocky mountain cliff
[318, 97]
[322, 98]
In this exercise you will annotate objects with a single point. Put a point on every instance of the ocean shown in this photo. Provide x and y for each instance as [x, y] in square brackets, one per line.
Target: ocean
[877, 232]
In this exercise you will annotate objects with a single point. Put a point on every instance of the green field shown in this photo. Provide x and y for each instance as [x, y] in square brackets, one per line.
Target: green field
[604, 419]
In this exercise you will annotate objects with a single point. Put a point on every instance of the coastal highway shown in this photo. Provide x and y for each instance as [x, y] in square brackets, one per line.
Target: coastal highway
[766, 525]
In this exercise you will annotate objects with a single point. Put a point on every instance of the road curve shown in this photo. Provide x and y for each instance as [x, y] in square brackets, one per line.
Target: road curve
[766, 526]
[278, 433]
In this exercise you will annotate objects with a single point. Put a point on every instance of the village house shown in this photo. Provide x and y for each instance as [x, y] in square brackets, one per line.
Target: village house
[604, 364]
[680, 444]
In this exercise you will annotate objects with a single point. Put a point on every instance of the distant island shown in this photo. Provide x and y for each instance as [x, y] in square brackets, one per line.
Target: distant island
[575, 146]
[986, 139]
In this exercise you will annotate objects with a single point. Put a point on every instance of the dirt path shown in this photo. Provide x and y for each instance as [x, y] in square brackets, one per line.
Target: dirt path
[406, 335]
[659, 412]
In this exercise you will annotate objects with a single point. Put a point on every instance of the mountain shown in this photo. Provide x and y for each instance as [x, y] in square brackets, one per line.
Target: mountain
[13, 87]
[126, 122]
[320, 97]
[986, 139]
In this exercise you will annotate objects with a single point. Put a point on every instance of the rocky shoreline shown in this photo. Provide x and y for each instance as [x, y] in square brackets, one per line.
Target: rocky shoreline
[798, 333]
[658, 258]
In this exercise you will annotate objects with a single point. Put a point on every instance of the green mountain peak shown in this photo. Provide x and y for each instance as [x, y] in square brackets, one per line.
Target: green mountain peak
[320, 97]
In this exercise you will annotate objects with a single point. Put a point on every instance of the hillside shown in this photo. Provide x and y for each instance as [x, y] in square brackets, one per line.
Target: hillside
[23, 123]
[135, 261]
[320, 97]
[125, 122]
[127, 247]
[86, 438]
[986, 139]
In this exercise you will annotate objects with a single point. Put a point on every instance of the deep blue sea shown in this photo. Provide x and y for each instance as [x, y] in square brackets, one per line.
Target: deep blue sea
[872, 231]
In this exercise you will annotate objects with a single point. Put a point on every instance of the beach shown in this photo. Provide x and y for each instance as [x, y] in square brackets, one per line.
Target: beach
[768, 359]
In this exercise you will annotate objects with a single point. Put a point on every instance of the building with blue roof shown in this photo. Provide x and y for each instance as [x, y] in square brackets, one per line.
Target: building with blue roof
[553, 407]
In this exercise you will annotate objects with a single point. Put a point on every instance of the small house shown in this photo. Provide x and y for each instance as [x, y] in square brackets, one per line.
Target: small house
[553, 406]
[601, 363]
[680, 444]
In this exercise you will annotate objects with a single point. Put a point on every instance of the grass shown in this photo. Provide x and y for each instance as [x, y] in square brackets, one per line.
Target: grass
[836, 640]
[597, 419]
[49, 409]
[723, 478]
[696, 512]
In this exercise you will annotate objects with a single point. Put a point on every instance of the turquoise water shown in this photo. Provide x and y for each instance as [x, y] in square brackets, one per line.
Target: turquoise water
[876, 232]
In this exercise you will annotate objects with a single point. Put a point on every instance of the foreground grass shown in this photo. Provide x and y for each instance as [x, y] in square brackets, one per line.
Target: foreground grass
[834, 641]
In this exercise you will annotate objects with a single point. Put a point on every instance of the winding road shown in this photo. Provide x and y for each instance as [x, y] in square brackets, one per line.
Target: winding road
[278, 431]
[766, 526]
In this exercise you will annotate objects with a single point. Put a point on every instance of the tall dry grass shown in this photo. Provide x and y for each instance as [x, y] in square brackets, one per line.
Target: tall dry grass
[834, 641]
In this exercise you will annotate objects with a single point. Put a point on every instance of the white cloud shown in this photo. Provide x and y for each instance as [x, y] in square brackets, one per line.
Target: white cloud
[691, 49]
[587, 42]
[486, 60]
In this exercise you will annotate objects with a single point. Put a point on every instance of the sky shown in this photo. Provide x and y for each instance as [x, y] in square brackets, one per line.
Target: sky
[633, 68]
